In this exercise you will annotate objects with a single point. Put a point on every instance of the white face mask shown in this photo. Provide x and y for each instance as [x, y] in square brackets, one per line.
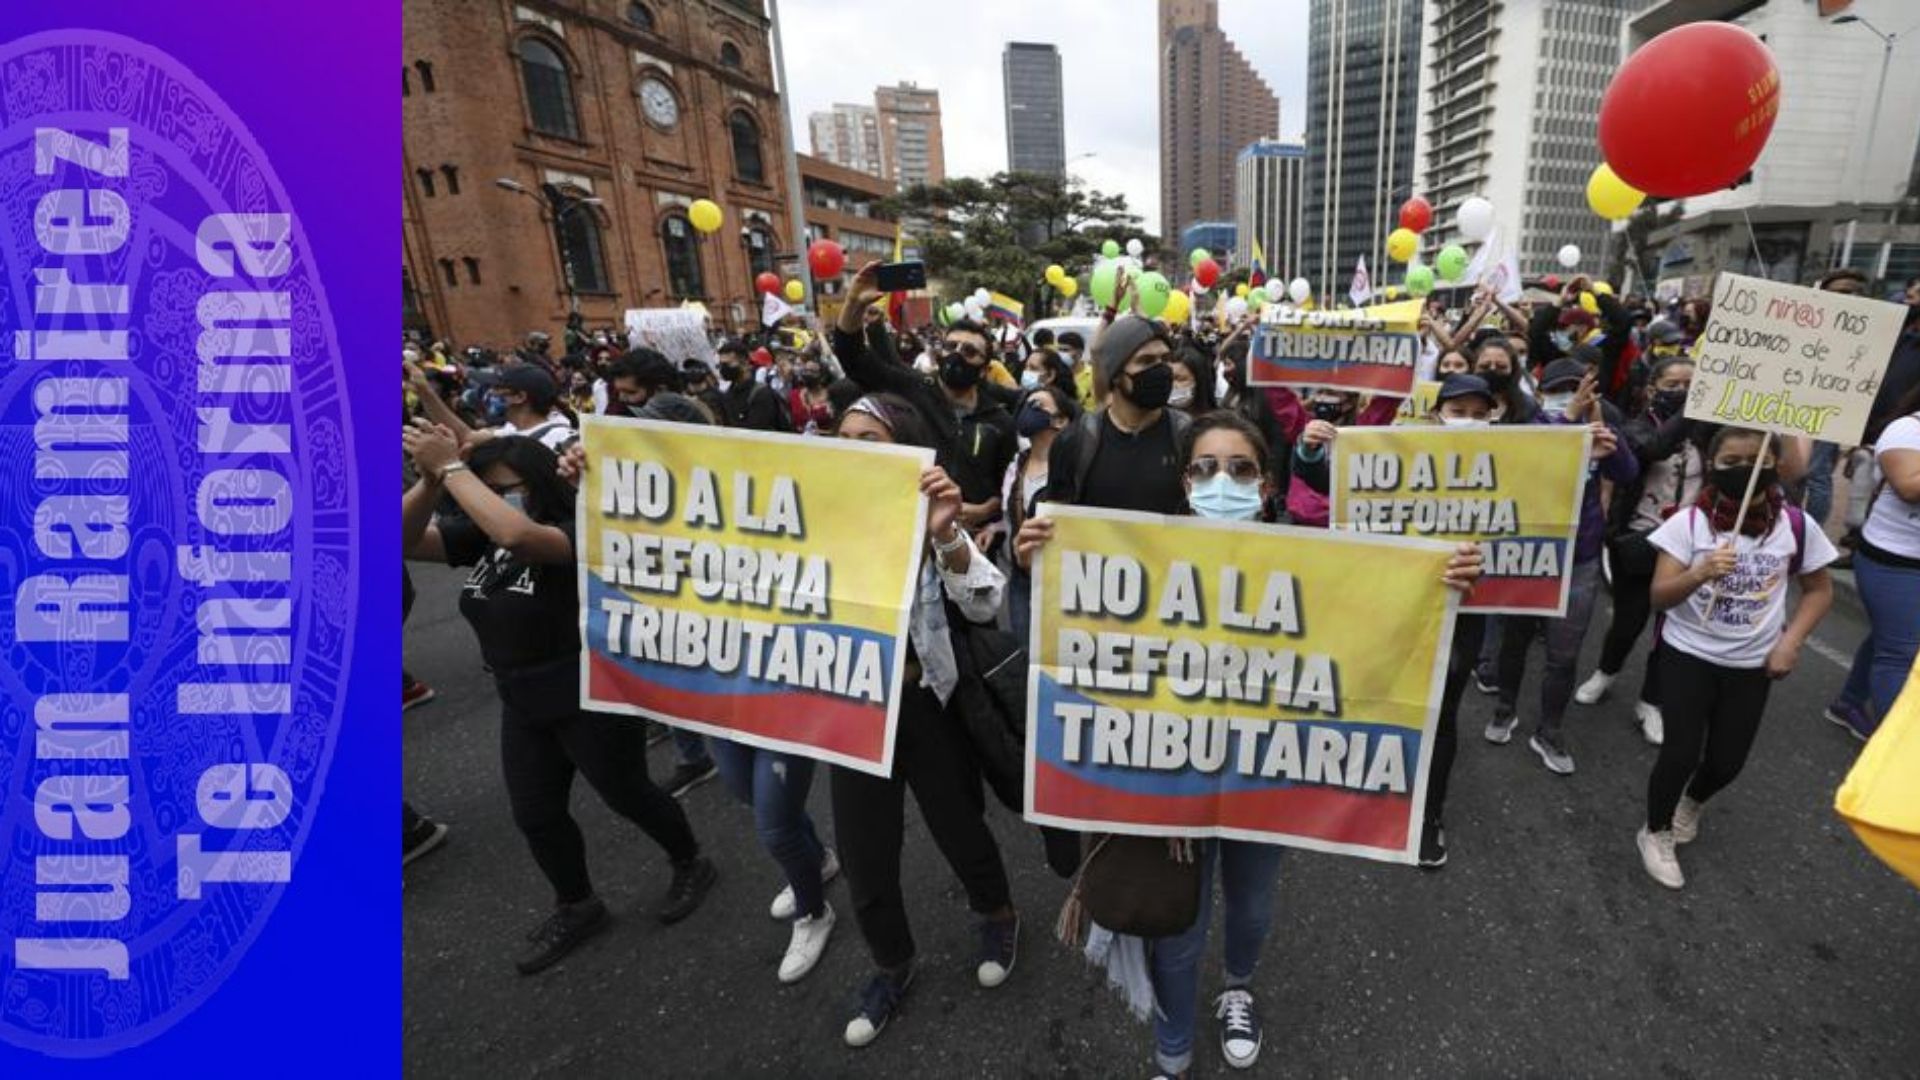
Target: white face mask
[1181, 397]
[1462, 421]
[1556, 403]
[1220, 385]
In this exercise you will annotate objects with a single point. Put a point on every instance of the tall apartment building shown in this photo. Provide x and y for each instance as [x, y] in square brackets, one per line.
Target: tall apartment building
[1509, 105]
[1363, 80]
[911, 151]
[1269, 196]
[848, 136]
[1036, 111]
[1211, 104]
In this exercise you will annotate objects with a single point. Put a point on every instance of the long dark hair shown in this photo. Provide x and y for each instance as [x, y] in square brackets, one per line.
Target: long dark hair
[1518, 407]
[1200, 366]
[1228, 420]
[549, 498]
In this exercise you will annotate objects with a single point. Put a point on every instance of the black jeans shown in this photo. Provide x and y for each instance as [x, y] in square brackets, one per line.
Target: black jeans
[1632, 607]
[931, 756]
[1469, 631]
[1712, 715]
[544, 738]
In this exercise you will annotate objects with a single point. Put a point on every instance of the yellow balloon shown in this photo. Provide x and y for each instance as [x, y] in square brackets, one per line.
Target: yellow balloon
[1393, 292]
[796, 292]
[1177, 309]
[1611, 197]
[1401, 244]
[705, 215]
[1068, 287]
[1240, 290]
[1603, 288]
[1588, 304]
[1054, 274]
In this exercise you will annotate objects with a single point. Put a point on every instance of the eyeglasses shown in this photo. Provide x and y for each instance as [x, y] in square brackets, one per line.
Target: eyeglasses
[1240, 469]
[968, 349]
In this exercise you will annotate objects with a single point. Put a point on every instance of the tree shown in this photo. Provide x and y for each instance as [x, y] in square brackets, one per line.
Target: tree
[1004, 230]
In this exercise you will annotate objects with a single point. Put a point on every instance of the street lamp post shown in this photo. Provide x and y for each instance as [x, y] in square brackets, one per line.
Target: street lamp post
[1887, 42]
[560, 205]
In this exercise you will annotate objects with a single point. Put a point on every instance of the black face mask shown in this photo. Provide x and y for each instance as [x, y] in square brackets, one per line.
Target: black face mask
[1498, 381]
[957, 373]
[809, 379]
[1330, 411]
[1669, 402]
[1151, 388]
[1732, 482]
[1033, 420]
[730, 372]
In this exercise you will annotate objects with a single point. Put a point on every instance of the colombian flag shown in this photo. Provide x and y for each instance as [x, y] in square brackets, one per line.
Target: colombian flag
[1259, 265]
[1006, 307]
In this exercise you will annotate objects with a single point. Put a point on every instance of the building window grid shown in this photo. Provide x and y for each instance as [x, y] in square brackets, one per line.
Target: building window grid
[549, 87]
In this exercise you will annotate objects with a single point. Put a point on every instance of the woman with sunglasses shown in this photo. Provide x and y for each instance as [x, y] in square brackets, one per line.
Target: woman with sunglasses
[1227, 475]
[517, 534]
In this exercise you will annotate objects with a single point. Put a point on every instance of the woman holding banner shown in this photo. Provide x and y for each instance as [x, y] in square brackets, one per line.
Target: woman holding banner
[1722, 577]
[1227, 474]
[517, 534]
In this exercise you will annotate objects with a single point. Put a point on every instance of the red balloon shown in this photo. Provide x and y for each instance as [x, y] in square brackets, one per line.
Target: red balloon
[1416, 214]
[1551, 283]
[826, 258]
[1690, 112]
[767, 282]
[1206, 273]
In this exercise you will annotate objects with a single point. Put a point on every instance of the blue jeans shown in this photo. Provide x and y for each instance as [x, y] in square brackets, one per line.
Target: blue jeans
[1891, 596]
[1819, 482]
[1249, 874]
[775, 785]
[1564, 637]
[690, 746]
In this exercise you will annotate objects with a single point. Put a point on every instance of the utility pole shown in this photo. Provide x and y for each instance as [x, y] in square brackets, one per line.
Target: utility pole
[796, 204]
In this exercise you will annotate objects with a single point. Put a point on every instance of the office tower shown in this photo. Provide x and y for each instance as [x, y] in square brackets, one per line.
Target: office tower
[1269, 196]
[848, 136]
[910, 148]
[1211, 104]
[1036, 115]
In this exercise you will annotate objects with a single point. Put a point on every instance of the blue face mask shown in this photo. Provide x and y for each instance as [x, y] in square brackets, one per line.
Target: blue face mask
[1556, 404]
[1562, 340]
[516, 499]
[1029, 380]
[496, 407]
[1220, 496]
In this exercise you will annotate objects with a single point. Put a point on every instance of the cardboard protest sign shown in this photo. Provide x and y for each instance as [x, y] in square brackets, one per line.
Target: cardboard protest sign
[676, 333]
[1514, 490]
[1372, 349]
[1791, 360]
[1215, 678]
[734, 583]
[1418, 405]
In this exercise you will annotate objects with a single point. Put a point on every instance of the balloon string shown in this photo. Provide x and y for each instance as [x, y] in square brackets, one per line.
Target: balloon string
[1755, 241]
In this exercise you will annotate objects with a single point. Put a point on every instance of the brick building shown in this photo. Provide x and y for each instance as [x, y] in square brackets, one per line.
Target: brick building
[625, 112]
[1212, 103]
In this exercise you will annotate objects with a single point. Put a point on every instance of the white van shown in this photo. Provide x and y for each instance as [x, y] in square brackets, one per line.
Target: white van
[1085, 326]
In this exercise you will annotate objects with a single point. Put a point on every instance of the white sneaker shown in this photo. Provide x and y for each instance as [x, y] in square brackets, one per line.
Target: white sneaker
[1657, 855]
[808, 944]
[1653, 726]
[785, 907]
[1686, 820]
[1594, 688]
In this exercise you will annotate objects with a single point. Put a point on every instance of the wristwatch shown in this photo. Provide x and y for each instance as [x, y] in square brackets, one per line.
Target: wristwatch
[452, 467]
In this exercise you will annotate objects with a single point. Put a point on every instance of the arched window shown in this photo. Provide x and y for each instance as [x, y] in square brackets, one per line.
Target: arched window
[746, 148]
[759, 250]
[581, 251]
[549, 89]
[729, 54]
[683, 257]
[639, 16]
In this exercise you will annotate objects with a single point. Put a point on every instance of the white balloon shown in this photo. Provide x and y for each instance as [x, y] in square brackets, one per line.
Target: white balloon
[982, 296]
[1133, 264]
[1276, 290]
[1135, 247]
[1569, 256]
[1475, 218]
[1300, 291]
[956, 311]
[1236, 309]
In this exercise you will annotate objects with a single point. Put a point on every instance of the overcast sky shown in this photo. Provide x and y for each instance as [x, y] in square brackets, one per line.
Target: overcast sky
[839, 50]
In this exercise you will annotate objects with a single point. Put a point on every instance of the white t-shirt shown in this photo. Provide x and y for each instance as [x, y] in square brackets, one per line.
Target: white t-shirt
[555, 432]
[1749, 609]
[1893, 524]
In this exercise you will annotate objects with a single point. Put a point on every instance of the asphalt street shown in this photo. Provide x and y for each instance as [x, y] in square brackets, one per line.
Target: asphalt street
[1542, 949]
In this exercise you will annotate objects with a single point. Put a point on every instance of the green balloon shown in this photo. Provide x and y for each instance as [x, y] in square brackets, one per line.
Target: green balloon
[1256, 299]
[1153, 292]
[1452, 262]
[1102, 282]
[1111, 249]
[1419, 280]
[1197, 256]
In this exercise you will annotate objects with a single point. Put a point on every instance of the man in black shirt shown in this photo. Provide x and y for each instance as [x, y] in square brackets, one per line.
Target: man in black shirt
[745, 403]
[986, 444]
[1125, 456]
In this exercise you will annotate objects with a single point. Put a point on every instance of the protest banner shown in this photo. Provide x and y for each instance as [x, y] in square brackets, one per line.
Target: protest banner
[1792, 360]
[1416, 407]
[675, 333]
[1371, 350]
[1513, 490]
[735, 584]
[1215, 678]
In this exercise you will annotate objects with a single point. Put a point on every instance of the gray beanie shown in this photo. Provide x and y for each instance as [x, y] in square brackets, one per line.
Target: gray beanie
[676, 408]
[1117, 344]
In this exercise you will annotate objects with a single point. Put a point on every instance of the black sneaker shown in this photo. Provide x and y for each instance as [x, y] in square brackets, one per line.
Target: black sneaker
[999, 945]
[1433, 846]
[1483, 683]
[560, 934]
[685, 778]
[689, 887]
[425, 835]
[879, 1000]
[1240, 1034]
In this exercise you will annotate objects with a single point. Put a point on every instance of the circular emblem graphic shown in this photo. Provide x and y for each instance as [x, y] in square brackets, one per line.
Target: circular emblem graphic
[177, 534]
